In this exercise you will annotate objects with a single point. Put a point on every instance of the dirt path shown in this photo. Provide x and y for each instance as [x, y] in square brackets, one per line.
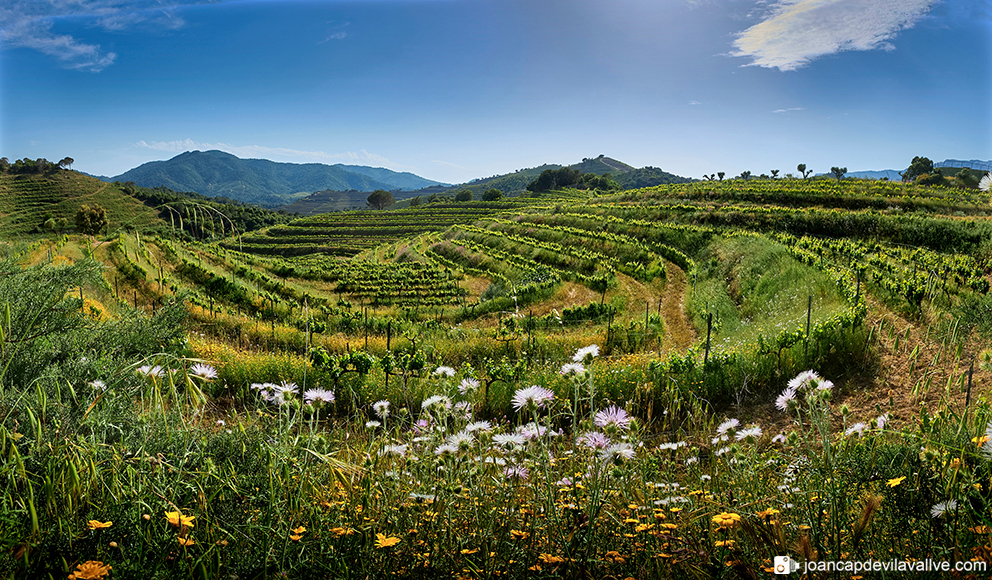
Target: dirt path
[679, 333]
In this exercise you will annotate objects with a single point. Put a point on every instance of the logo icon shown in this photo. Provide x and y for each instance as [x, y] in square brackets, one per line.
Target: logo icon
[784, 565]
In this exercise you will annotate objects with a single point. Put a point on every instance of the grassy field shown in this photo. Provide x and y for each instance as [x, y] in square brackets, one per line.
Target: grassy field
[564, 386]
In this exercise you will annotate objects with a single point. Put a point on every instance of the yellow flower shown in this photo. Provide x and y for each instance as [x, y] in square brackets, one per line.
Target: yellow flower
[518, 535]
[97, 525]
[382, 541]
[549, 559]
[179, 520]
[768, 513]
[298, 530]
[726, 519]
[184, 542]
[980, 440]
[90, 570]
[724, 543]
[895, 481]
[338, 532]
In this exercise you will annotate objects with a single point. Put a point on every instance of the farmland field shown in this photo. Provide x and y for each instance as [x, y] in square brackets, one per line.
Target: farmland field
[679, 381]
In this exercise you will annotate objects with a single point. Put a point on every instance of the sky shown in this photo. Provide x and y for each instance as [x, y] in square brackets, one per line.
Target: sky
[454, 90]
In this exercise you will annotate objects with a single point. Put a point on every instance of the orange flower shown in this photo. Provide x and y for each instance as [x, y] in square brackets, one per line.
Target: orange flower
[185, 542]
[518, 535]
[382, 541]
[297, 533]
[338, 532]
[90, 570]
[98, 525]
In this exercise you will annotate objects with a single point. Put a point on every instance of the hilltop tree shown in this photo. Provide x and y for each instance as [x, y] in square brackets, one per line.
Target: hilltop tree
[801, 168]
[775, 173]
[551, 179]
[745, 175]
[380, 199]
[838, 172]
[464, 195]
[66, 163]
[919, 166]
[90, 219]
[721, 174]
[492, 194]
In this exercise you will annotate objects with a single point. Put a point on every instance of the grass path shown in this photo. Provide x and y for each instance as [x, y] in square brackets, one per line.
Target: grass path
[679, 333]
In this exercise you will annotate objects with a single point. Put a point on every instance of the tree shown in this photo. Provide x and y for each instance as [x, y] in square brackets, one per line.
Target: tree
[4, 165]
[550, 179]
[933, 179]
[966, 179]
[774, 173]
[464, 195]
[492, 194]
[838, 172]
[919, 166]
[66, 163]
[801, 168]
[415, 201]
[745, 175]
[720, 174]
[380, 199]
[90, 219]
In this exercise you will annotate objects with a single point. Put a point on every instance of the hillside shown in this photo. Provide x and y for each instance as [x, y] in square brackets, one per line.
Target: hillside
[260, 181]
[27, 201]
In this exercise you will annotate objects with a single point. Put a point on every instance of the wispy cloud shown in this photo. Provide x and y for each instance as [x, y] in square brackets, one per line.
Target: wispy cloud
[796, 32]
[28, 24]
[694, 103]
[263, 152]
[447, 164]
[789, 109]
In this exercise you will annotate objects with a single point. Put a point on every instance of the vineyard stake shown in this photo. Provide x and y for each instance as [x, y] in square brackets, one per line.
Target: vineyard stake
[709, 327]
[809, 309]
[967, 397]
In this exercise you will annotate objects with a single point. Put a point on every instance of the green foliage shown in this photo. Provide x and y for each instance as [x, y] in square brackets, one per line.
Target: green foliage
[91, 219]
[920, 166]
[492, 194]
[380, 199]
[838, 172]
[464, 195]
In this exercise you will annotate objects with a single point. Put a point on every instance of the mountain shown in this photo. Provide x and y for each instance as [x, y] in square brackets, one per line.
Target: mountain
[890, 174]
[511, 184]
[260, 181]
[896, 174]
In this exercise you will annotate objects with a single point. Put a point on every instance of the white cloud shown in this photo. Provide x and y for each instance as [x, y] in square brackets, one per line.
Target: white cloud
[795, 32]
[695, 103]
[261, 152]
[28, 24]
[789, 109]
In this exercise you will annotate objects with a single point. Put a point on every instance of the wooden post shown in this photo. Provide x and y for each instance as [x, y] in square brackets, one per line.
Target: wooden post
[389, 333]
[967, 397]
[709, 327]
[809, 310]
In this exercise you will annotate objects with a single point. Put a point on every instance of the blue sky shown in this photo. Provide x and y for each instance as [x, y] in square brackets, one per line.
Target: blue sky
[457, 89]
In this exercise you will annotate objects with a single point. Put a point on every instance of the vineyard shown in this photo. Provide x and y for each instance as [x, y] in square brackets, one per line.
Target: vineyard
[353, 386]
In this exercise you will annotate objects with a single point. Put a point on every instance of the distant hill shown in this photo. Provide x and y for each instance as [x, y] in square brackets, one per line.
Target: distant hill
[511, 184]
[896, 174]
[260, 181]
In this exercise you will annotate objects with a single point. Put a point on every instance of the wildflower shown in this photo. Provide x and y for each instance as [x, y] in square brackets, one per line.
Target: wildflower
[151, 371]
[612, 417]
[586, 352]
[534, 397]
[882, 421]
[727, 425]
[203, 371]
[444, 371]
[90, 570]
[531, 430]
[719, 439]
[518, 472]
[575, 368]
[446, 450]
[478, 426]
[509, 439]
[98, 525]
[726, 520]
[439, 401]
[372, 424]
[338, 532]
[671, 446]
[397, 450]
[178, 520]
[318, 395]
[942, 508]
[780, 438]
[986, 182]
[617, 452]
[381, 409]
[221, 423]
[461, 440]
[783, 400]
[468, 386]
[549, 559]
[185, 542]
[98, 385]
[281, 393]
[803, 380]
[752, 432]
[383, 541]
[895, 481]
[297, 533]
[594, 440]
[768, 513]
[858, 428]
[519, 535]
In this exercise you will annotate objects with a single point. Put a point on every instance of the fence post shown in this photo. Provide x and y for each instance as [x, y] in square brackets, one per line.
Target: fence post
[809, 310]
[709, 327]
